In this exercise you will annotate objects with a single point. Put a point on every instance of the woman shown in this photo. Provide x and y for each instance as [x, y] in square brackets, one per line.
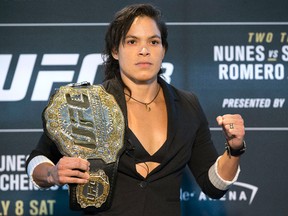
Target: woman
[166, 127]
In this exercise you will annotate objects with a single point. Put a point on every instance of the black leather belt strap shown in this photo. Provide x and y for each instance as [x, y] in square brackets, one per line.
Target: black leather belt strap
[111, 172]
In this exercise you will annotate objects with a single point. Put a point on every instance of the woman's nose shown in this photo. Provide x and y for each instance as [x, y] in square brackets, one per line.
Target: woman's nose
[144, 51]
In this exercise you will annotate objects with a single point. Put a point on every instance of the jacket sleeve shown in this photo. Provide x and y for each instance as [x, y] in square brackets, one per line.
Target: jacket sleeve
[47, 148]
[204, 155]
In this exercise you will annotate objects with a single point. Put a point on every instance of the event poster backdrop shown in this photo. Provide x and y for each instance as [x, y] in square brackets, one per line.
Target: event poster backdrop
[232, 55]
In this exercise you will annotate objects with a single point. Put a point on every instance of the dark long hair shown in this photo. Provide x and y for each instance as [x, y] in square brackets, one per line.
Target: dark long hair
[118, 29]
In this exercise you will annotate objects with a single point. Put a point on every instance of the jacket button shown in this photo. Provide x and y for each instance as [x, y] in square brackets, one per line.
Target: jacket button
[143, 184]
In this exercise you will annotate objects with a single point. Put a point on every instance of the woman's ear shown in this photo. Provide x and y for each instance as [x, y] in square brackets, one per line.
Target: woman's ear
[164, 53]
[115, 54]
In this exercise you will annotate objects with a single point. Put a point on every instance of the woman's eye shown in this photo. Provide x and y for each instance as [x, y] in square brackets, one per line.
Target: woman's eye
[131, 42]
[155, 42]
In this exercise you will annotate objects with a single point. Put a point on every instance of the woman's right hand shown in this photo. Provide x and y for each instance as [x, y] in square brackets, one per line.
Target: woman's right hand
[69, 170]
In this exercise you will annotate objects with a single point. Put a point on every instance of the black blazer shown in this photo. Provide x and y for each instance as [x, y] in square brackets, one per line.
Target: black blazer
[188, 143]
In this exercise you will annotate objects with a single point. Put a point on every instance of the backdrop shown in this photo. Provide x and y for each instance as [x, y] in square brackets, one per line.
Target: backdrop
[232, 54]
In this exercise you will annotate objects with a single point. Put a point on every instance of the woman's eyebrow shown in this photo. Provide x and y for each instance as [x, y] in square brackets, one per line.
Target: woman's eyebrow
[135, 37]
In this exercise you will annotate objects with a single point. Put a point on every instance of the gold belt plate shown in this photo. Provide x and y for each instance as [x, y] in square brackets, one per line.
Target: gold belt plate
[87, 122]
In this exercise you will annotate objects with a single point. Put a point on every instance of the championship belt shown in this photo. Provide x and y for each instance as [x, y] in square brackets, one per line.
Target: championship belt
[85, 121]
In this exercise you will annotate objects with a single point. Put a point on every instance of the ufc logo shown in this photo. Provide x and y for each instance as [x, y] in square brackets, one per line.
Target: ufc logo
[46, 78]
[81, 121]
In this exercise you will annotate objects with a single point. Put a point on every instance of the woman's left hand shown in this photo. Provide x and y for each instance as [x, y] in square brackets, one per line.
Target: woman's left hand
[233, 128]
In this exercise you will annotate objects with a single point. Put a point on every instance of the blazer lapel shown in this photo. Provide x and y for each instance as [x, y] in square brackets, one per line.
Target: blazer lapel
[171, 103]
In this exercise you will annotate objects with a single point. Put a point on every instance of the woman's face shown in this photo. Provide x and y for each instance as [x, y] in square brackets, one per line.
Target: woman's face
[140, 56]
